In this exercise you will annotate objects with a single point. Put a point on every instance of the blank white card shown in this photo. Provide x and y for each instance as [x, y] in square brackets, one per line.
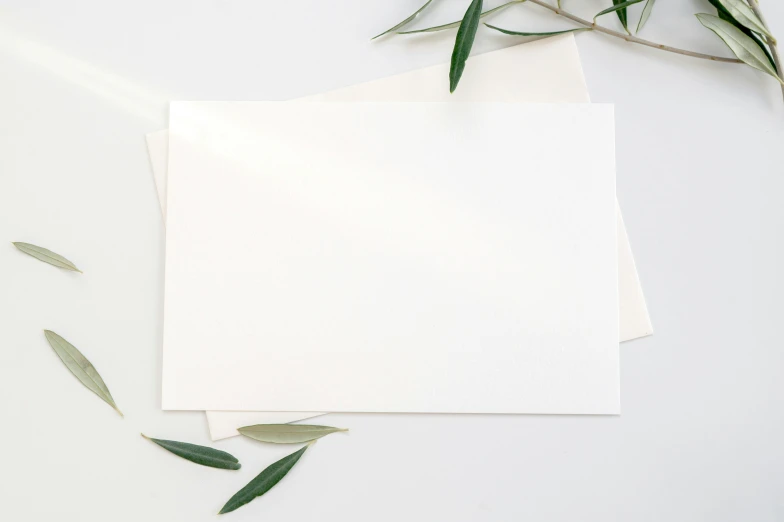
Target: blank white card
[384, 257]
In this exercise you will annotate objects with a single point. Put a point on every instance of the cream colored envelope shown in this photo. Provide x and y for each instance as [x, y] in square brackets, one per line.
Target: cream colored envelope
[543, 71]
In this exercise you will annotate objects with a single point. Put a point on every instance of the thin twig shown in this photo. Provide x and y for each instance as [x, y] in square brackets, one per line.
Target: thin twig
[754, 4]
[630, 38]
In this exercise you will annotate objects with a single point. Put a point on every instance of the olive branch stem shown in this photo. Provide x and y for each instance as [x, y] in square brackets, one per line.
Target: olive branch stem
[629, 38]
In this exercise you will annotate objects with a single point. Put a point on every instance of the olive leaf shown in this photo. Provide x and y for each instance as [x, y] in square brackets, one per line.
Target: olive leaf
[287, 433]
[622, 15]
[80, 367]
[646, 13]
[457, 24]
[463, 42]
[47, 256]
[741, 12]
[726, 16]
[746, 49]
[263, 482]
[198, 454]
[404, 22]
[617, 7]
[552, 33]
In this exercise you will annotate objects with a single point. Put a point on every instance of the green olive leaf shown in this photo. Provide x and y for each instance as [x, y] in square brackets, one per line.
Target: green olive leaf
[726, 16]
[619, 6]
[646, 13]
[198, 454]
[287, 433]
[552, 33]
[457, 24]
[80, 367]
[463, 42]
[622, 15]
[47, 256]
[741, 12]
[263, 482]
[404, 22]
[746, 49]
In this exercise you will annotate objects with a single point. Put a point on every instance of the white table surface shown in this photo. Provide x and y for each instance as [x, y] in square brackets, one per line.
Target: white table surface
[700, 182]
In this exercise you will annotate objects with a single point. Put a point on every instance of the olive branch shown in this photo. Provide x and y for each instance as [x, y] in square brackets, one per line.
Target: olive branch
[739, 23]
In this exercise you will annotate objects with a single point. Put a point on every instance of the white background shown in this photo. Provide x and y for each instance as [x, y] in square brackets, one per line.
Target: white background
[699, 182]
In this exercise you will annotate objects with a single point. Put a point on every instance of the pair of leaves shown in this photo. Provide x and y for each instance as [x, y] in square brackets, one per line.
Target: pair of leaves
[619, 7]
[199, 454]
[742, 46]
[80, 367]
[750, 25]
[47, 256]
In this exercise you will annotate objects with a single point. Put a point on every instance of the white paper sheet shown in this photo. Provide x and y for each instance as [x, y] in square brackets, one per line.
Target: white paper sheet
[543, 71]
[384, 257]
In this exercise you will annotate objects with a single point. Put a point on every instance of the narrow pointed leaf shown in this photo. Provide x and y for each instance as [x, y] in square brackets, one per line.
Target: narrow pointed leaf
[80, 367]
[727, 17]
[552, 33]
[646, 13]
[404, 22]
[463, 42]
[47, 256]
[746, 49]
[741, 12]
[457, 24]
[616, 7]
[622, 15]
[287, 433]
[198, 454]
[265, 481]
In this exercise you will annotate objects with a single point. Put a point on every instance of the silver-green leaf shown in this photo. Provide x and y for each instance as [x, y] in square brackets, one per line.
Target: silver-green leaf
[463, 42]
[199, 454]
[263, 482]
[746, 49]
[80, 367]
[47, 256]
[617, 7]
[287, 433]
[646, 13]
[741, 12]
[404, 22]
[457, 24]
[551, 33]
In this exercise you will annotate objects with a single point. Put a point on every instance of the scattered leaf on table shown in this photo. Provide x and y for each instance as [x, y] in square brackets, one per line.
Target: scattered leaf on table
[616, 7]
[646, 13]
[47, 256]
[552, 33]
[457, 24]
[80, 367]
[404, 22]
[463, 42]
[746, 49]
[741, 12]
[198, 454]
[287, 433]
[265, 481]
